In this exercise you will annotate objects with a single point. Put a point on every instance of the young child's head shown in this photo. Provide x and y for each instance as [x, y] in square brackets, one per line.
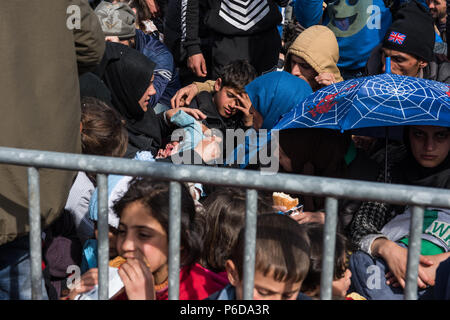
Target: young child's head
[225, 216]
[341, 277]
[231, 83]
[102, 128]
[144, 224]
[281, 259]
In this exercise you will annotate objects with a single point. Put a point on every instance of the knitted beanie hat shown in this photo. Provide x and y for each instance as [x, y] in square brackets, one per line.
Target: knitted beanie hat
[116, 19]
[412, 32]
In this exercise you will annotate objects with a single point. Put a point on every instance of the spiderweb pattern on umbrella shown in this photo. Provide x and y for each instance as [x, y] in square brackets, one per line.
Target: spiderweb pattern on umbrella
[380, 100]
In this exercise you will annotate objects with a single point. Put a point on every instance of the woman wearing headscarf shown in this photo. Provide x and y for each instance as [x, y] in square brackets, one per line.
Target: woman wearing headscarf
[274, 94]
[128, 74]
[380, 231]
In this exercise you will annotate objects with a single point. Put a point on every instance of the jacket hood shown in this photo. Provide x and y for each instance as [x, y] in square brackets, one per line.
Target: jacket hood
[318, 46]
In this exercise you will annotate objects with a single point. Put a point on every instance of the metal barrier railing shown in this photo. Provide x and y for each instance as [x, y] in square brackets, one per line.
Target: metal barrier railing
[332, 189]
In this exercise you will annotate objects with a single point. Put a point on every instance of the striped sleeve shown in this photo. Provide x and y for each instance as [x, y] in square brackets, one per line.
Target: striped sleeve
[190, 18]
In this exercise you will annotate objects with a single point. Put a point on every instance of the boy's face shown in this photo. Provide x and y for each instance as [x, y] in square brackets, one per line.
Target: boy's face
[225, 100]
[265, 287]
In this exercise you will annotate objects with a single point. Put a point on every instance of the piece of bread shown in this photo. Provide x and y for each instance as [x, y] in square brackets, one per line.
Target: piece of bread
[283, 199]
[117, 262]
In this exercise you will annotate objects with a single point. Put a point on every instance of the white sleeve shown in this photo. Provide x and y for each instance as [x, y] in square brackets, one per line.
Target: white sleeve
[367, 241]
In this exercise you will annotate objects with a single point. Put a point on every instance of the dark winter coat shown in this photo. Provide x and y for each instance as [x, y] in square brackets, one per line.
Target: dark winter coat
[40, 58]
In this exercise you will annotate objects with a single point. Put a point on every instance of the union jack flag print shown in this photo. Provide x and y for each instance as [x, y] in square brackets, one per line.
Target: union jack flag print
[397, 37]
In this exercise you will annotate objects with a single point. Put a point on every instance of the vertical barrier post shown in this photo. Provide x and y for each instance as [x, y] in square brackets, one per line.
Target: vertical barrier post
[414, 244]
[329, 244]
[174, 240]
[250, 243]
[35, 233]
[103, 239]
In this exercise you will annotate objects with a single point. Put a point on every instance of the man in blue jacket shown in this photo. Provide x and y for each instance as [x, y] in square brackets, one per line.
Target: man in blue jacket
[359, 26]
[118, 25]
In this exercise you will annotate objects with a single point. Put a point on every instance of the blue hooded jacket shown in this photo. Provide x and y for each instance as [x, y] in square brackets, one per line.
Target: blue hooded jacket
[359, 26]
[167, 81]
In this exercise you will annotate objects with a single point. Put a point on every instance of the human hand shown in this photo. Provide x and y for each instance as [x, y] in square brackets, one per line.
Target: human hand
[295, 214]
[429, 268]
[197, 64]
[184, 96]
[87, 282]
[153, 7]
[195, 113]
[245, 106]
[325, 79]
[209, 148]
[137, 278]
[309, 216]
[396, 258]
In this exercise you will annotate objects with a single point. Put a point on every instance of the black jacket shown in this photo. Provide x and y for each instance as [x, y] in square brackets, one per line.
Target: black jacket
[226, 17]
[204, 103]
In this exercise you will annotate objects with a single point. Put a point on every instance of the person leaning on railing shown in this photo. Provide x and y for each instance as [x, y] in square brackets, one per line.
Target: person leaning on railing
[380, 231]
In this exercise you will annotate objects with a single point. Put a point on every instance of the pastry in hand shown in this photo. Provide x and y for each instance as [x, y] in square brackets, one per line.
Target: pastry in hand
[285, 200]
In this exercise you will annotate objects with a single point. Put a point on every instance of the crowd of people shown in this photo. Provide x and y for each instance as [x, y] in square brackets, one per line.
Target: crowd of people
[165, 81]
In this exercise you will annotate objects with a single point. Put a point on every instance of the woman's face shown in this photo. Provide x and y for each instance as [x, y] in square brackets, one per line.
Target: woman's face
[143, 102]
[430, 145]
[140, 234]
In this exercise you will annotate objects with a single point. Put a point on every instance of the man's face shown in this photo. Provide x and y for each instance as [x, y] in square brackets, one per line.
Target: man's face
[225, 100]
[302, 69]
[438, 9]
[402, 63]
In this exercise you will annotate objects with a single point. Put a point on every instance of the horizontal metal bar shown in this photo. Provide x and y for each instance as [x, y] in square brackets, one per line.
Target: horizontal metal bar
[307, 185]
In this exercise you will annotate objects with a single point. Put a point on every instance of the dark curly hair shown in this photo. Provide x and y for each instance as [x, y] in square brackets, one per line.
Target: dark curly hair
[315, 234]
[154, 195]
[237, 74]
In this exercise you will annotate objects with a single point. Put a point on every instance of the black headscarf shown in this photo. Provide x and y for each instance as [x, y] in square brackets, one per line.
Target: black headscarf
[409, 171]
[127, 74]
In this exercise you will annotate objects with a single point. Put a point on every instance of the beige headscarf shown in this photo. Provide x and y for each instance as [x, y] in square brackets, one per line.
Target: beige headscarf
[318, 46]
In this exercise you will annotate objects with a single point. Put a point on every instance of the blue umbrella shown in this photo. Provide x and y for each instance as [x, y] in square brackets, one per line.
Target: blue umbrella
[377, 101]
